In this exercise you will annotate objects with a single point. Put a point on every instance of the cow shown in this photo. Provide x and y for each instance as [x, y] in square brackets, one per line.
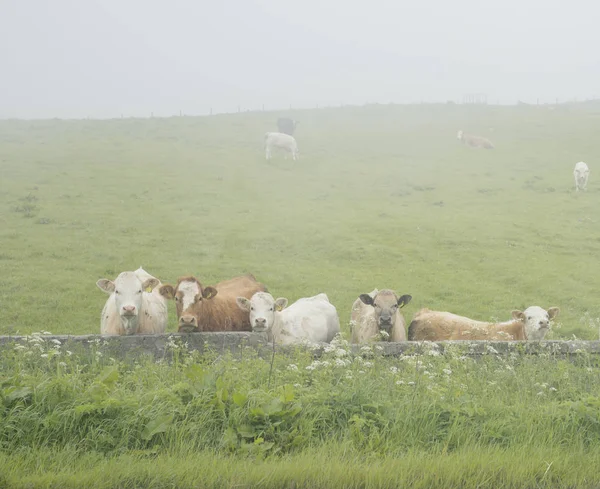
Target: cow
[134, 305]
[281, 141]
[581, 174]
[474, 141]
[286, 125]
[209, 308]
[310, 319]
[531, 324]
[377, 315]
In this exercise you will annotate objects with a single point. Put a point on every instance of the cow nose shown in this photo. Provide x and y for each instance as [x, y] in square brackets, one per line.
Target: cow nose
[385, 320]
[260, 322]
[129, 309]
[188, 320]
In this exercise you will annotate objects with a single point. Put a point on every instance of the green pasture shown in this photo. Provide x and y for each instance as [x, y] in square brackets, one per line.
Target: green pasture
[383, 196]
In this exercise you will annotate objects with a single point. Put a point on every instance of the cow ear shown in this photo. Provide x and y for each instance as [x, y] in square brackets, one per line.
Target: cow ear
[280, 303]
[367, 299]
[106, 285]
[243, 303]
[553, 312]
[209, 292]
[518, 315]
[150, 284]
[405, 299]
[167, 291]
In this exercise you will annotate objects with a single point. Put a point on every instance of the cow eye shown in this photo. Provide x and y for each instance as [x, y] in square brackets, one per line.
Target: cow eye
[139, 291]
[528, 317]
[271, 309]
[117, 292]
[252, 308]
[176, 299]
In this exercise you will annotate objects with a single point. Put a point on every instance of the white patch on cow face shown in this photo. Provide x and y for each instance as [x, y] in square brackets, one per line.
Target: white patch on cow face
[537, 323]
[189, 291]
[262, 312]
[128, 299]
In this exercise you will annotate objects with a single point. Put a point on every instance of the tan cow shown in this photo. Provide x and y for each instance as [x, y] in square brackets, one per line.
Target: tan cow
[474, 141]
[377, 316]
[209, 308]
[531, 324]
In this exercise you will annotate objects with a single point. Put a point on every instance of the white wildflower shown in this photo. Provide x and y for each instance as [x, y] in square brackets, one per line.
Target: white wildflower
[310, 367]
[553, 389]
[341, 352]
[384, 334]
[297, 386]
[447, 371]
[69, 353]
[19, 347]
[433, 353]
[411, 383]
[56, 342]
[62, 364]
[399, 382]
[98, 354]
[394, 370]
[540, 393]
[379, 347]
[368, 364]
[292, 367]
[44, 355]
[361, 371]
[491, 349]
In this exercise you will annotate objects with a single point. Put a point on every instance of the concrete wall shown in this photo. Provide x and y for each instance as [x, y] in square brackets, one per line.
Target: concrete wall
[130, 347]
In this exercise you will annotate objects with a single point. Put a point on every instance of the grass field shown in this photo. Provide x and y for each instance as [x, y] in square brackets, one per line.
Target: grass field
[384, 196]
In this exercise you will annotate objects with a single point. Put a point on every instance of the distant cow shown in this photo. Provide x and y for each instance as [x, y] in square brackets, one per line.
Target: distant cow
[209, 308]
[281, 141]
[311, 319]
[286, 125]
[134, 305]
[531, 324]
[474, 141]
[581, 174]
[378, 312]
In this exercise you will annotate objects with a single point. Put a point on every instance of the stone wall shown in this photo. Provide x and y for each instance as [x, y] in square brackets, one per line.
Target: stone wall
[130, 347]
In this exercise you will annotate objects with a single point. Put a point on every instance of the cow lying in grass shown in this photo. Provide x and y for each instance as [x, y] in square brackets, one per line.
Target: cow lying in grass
[531, 324]
[474, 141]
[209, 308]
[310, 319]
[376, 316]
[134, 305]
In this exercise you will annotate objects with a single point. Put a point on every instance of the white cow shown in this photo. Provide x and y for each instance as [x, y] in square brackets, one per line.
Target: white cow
[376, 314]
[281, 141]
[581, 174]
[310, 319]
[135, 305]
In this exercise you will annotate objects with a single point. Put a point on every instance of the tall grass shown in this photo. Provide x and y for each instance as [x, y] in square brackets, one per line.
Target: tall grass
[368, 410]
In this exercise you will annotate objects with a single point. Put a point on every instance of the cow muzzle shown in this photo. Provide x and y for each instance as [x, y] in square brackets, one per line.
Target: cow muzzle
[129, 311]
[260, 325]
[188, 324]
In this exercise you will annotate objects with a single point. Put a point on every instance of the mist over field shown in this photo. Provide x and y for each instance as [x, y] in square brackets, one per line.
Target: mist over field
[104, 59]
[136, 133]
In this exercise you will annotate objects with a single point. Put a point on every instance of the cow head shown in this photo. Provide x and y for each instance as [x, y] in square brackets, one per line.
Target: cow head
[386, 304]
[127, 290]
[536, 320]
[262, 308]
[188, 295]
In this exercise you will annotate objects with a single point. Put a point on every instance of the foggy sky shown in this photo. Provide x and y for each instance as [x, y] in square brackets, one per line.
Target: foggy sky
[104, 58]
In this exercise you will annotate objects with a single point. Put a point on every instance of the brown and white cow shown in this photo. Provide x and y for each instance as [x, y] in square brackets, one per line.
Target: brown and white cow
[378, 314]
[209, 308]
[531, 324]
